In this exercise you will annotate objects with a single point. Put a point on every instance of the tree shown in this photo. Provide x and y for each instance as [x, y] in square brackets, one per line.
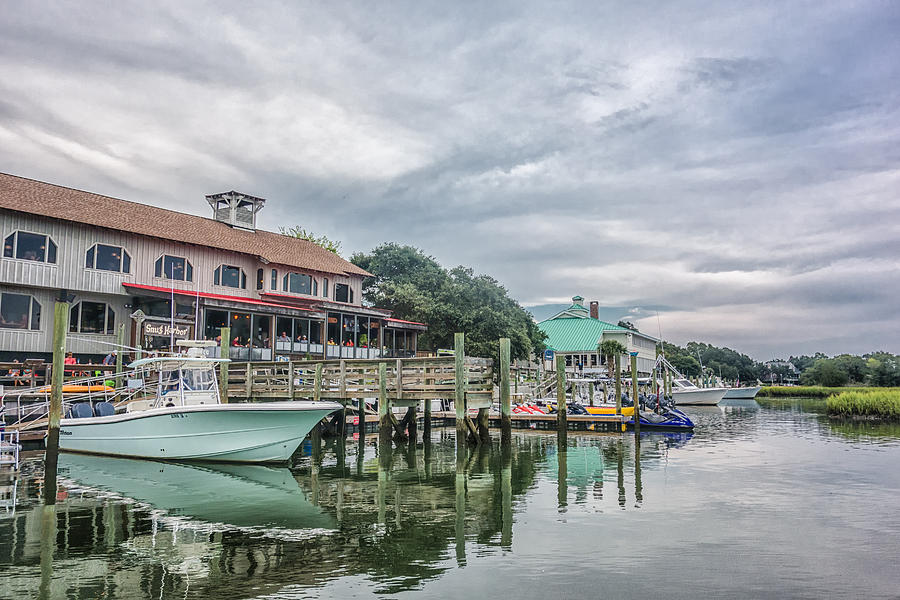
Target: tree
[627, 325]
[883, 369]
[825, 371]
[610, 349]
[415, 287]
[299, 232]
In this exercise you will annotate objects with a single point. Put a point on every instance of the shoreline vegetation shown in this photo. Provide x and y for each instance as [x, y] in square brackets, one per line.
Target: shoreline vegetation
[878, 403]
[844, 402]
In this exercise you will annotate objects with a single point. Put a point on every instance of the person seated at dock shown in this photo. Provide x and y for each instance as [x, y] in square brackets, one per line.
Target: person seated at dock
[110, 359]
[16, 374]
[70, 360]
[284, 337]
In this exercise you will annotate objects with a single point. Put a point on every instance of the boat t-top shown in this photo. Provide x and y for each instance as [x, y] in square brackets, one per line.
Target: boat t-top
[180, 417]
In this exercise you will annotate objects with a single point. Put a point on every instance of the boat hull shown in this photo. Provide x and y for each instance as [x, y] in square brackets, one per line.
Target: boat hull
[249, 433]
[745, 393]
[699, 396]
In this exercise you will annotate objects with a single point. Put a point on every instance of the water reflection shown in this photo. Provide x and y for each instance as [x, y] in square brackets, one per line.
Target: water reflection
[381, 519]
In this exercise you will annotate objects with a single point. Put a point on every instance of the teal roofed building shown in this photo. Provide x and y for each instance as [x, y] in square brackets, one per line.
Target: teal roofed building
[575, 333]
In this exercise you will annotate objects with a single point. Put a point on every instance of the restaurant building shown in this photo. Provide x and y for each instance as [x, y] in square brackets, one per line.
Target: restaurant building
[575, 333]
[169, 275]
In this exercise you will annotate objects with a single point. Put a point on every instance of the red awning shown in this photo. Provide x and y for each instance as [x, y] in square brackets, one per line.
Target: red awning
[190, 294]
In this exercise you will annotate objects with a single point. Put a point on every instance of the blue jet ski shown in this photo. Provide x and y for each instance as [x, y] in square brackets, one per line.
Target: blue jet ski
[663, 416]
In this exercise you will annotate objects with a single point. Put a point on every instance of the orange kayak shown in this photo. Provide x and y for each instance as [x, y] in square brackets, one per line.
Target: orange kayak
[79, 389]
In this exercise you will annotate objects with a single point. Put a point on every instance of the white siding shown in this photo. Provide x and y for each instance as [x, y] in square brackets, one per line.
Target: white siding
[73, 241]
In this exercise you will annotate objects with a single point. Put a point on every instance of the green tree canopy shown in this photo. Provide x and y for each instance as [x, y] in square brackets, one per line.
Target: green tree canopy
[825, 371]
[415, 287]
[320, 240]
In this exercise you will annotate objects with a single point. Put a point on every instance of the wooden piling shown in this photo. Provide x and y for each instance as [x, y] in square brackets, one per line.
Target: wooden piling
[342, 426]
[484, 432]
[505, 405]
[591, 391]
[562, 475]
[506, 498]
[384, 413]
[460, 389]
[317, 383]
[562, 423]
[224, 336]
[51, 456]
[290, 370]
[248, 382]
[618, 368]
[634, 395]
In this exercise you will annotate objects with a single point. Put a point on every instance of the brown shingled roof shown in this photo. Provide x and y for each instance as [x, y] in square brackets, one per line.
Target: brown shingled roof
[57, 202]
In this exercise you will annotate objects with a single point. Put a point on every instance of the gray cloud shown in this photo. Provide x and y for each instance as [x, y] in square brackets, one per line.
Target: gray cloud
[733, 166]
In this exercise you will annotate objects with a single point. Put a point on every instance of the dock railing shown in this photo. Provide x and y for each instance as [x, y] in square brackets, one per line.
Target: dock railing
[409, 380]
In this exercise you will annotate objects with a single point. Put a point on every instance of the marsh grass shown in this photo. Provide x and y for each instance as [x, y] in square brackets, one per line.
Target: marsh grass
[814, 391]
[882, 403]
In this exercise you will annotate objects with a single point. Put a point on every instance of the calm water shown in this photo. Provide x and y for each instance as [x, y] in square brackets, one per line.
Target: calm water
[765, 500]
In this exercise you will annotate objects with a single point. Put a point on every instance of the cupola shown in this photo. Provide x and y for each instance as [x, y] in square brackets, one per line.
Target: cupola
[236, 209]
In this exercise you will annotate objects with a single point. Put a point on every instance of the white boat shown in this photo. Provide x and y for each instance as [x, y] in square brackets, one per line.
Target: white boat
[184, 419]
[742, 393]
[685, 392]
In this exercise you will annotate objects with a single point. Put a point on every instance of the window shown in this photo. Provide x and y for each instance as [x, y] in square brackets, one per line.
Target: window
[260, 278]
[19, 311]
[299, 283]
[230, 277]
[274, 279]
[108, 258]
[342, 293]
[325, 286]
[30, 246]
[92, 317]
[174, 267]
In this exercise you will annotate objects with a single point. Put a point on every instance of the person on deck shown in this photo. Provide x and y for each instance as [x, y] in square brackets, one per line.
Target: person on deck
[236, 342]
[284, 337]
[110, 359]
[331, 342]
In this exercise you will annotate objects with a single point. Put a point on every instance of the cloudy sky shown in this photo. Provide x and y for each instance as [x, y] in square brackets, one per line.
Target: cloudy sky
[731, 166]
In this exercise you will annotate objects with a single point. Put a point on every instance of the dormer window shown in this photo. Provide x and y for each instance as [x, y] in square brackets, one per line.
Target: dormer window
[343, 293]
[299, 283]
[174, 267]
[108, 258]
[30, 246]
[229, 276]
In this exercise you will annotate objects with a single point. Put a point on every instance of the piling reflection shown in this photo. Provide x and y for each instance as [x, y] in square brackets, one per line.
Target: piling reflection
[144, 529]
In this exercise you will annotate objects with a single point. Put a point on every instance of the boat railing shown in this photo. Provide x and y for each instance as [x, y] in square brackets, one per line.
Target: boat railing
[30, 407]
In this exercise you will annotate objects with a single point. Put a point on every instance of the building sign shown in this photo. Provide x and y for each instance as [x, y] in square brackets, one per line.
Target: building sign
[548, 354]
[167, 330]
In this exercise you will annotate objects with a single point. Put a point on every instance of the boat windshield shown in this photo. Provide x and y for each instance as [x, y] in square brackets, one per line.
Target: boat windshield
[168, 380]
[684, 383]
[198, 379]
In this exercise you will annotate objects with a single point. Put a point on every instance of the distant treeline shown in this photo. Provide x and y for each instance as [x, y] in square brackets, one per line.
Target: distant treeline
[877, 369]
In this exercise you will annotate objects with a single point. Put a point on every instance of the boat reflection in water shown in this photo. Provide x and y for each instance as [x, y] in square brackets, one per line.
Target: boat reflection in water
[240, 496]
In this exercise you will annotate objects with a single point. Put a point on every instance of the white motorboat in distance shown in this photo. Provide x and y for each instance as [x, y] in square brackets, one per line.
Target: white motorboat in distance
[185, 420]
[742, 393]
[685, 392]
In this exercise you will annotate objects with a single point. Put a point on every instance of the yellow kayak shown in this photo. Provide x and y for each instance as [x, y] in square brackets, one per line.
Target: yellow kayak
[628, 411]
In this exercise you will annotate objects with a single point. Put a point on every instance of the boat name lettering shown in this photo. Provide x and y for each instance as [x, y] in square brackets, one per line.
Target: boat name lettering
[64, 432]
[166, 329]
[178, 416]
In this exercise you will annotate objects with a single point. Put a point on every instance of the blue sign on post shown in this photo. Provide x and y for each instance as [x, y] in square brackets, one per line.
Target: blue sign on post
[548, 354]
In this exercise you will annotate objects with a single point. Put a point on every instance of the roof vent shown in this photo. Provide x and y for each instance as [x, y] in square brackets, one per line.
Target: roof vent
[236, 209]
[578, 300]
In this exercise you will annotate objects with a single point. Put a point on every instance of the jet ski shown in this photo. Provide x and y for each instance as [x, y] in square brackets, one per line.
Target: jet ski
[659, 413]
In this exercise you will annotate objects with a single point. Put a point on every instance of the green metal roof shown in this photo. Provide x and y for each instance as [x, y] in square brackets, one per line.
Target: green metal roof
[568, 334]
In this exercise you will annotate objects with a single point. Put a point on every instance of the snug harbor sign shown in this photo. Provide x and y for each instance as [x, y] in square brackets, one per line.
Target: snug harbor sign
[167, 329]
